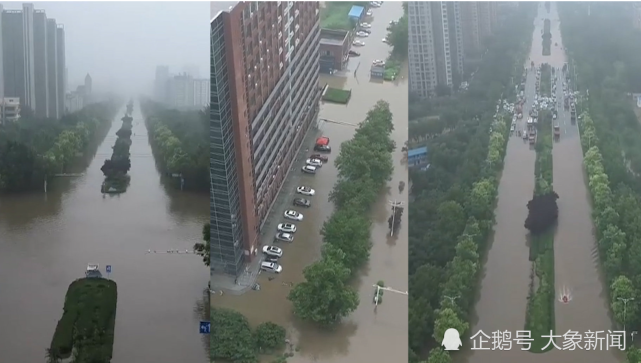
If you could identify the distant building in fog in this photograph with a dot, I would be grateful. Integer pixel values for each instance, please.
(636, 15)
(180, 91)
(32, 60)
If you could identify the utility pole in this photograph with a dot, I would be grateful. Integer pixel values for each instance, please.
(625, 308)
(395, 204)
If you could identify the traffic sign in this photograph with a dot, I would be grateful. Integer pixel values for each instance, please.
(205, 327)
(108, 269)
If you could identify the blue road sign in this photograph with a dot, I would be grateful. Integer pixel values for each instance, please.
(108, 269)
(205, 326)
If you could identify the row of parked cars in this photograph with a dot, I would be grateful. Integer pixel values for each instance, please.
(285, 231)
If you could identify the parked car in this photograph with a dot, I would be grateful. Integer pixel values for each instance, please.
(354, 53)
(305, 191)
(270, 259)
(285, 237)
(273, 251)
(302, 202)
(362, 34)
(369, 13)
(365, 25)
(323, 148)
(364, 30)
(314, 162)
(320, 157)
(293, 215)
(271, 267)
(309, 169)
(386, 41)
(287, 228)
(358, 43)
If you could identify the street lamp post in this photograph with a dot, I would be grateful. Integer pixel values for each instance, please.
(625, 307)
(452, 299)
(379, 288)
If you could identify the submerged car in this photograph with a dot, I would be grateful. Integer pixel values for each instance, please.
(293, 215)
(314, 162)
(271, 267)
(320, 157)
(285, 237)
(309, 169)
(273, 251)
(286, 227)
(302, 202)
(305, 191)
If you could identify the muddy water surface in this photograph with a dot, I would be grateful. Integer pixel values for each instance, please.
(47, 240)
(365, 336)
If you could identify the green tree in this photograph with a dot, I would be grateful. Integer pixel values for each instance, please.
(324, 297)
(232, 336)
(349, 230)
(269, 337)
(447, 319)
(624, 304)
(203, 248)
(438, 355)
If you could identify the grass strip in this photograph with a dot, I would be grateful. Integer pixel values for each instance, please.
(540, 319)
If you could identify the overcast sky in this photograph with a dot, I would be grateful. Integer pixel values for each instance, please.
(121, 43)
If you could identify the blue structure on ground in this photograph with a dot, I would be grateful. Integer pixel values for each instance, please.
(417, 157)
(356, 12)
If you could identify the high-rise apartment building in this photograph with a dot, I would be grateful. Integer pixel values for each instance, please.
(41, 76)
(435, 46)
(52, 69)
(61, 71)
(32, 60)
(479, 23)
(202, 92)
(264, 98)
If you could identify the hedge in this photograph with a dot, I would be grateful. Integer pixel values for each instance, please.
(88, 321)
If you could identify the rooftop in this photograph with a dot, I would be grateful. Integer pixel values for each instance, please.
(417, 152)
(332, 36)
(356, 11)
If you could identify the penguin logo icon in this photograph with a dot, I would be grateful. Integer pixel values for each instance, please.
(451, 339)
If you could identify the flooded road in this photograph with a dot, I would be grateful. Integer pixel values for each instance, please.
(46, 241)
(576, 265)
(364, 336)
(504, 287)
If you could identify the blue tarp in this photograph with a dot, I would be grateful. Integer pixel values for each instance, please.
(417, 152)
(356, 12)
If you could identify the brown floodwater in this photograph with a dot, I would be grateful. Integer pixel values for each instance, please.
(47, 240)
(365, 336)
(506, 273)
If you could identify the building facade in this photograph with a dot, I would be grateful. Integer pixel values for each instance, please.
(32, 60)
(264, 98)
(436, 54)
(479, 23)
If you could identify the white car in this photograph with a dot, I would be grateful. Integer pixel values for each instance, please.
(309, 169)
(365, 25)
(285, 237)
(358, 43)
(314, 162)
(305, 191)
(292, 215)
(273, 251)
(362, 34)
(271, 267)
(287, 228)
(369, 13)
(386, 41)
(378, 62)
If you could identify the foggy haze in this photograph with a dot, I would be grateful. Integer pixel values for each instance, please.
(121, 43)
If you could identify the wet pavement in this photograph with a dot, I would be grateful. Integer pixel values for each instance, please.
(505, 279)
(364, 335)
(47, 241)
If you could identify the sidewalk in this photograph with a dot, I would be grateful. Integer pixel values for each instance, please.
(229, 284)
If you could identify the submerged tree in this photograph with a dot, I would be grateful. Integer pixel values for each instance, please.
(543, 213)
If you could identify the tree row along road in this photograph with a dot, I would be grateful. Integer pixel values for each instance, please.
(506, 274)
